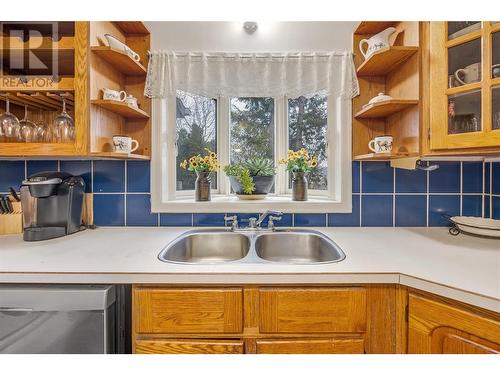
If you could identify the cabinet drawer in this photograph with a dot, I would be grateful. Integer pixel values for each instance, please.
(312, 310)
(189, 347)
(170, 310)
(311, 346)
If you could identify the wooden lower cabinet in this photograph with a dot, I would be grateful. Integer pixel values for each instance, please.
(312, 310)
(188, 310)
(310, 346)
(375, 319)
(438, 327)
(193, 346)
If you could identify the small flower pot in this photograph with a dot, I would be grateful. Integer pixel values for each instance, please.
(263, 185)
(202, 187)
(299, 186)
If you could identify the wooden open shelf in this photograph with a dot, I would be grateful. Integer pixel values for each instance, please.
(132, 27)
(379, 157)
(14, 83)
(64, 42)
(383, 61)
(373, 27)
(120, 60)
(464, 88)
(117, 155)
(121, 108)
(394, 71)
(65, 58)
(46, 101)
(386, 108)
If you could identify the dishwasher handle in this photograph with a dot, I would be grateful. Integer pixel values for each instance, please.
(15, 309)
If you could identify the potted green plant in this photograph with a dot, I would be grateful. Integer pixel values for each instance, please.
(299, 164)
(252, 179)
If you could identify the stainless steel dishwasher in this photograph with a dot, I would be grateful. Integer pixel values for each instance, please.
(59, 319)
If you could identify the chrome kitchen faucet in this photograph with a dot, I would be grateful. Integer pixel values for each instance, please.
(254, 222)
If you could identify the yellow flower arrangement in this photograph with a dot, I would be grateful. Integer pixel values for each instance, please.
(299, 161)
(198, 163)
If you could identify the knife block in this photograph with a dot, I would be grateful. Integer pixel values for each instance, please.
(12, 223)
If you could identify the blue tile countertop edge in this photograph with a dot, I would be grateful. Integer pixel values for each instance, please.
(382, 196)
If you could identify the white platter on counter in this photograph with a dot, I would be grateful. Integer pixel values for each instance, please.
(477, 225)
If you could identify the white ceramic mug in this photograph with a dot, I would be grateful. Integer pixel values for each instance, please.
(123, 144)
(109, 94)
(131, 100)
(495, 70)
(471, 73)
(381, 144)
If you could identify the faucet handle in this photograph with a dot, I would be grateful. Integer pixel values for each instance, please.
(233, 219)
(272, 219)
(230, 218)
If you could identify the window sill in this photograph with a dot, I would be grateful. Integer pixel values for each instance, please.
(228, 204)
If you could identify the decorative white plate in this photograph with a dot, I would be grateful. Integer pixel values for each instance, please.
(466, 30)
(477, 225)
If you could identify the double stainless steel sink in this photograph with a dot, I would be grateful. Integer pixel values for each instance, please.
(287, 246)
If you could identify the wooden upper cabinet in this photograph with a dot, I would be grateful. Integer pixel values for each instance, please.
(312, 310)
(77, 66)
(464, 64)
(439, 328)
(179, 310)
(62, 48)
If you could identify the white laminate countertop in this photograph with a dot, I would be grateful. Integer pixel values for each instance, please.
(464, 268)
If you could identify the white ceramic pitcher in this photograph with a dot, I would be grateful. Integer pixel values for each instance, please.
(376, 42)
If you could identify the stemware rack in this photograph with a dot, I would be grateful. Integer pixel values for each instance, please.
(39, 100)
(85, 66)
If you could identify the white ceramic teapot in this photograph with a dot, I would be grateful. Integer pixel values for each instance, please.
(376, 42)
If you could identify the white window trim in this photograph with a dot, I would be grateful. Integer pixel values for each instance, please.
(164, 197)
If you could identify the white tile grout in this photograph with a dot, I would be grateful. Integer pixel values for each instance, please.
(360, 193)
(393, 197)
(427, 194)
(125, 198)
(461, 187)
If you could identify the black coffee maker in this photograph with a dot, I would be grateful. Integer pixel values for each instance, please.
(52, 204)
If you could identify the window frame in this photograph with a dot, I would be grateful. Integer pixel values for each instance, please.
(337, 198)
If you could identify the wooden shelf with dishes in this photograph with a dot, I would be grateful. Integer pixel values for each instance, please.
(117, 155)
(36, 94)
(121, 108)
(385, 108)
(383, 157)
(120, 60)
(81, 62)
(392, 69)
(385, 60)
(112, 67)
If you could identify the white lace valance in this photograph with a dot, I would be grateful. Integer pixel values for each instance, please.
(251, 74)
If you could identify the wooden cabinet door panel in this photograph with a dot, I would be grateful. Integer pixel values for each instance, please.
(175, 346)
(438, 328)
(453, 341)
(170, 310)
(310, 346)
(312, 310)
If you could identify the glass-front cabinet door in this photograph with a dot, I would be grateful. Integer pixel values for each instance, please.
(464, 84)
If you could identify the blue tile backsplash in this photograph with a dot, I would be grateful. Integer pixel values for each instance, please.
(382, 196)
